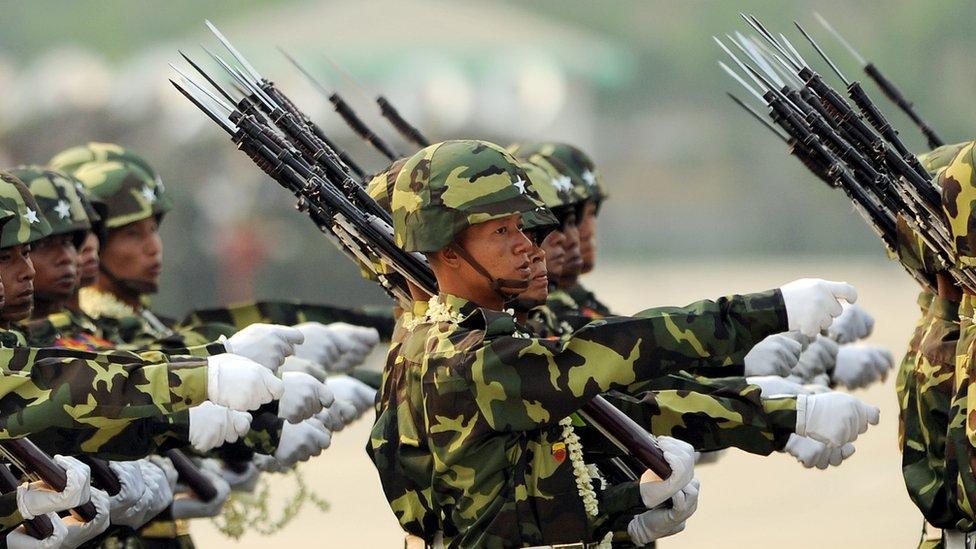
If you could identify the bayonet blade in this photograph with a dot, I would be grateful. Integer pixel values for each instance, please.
(823, 55)
(830, 28)
(233, 51)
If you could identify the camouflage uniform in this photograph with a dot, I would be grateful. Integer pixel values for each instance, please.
(958, 184)
(67, 388)
(493, 396)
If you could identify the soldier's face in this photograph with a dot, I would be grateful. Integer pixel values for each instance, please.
(55, 262)
(17, 273)
(587, 230)
(538, 289)
(553, 245)
(574, 261)
(501, 248)
(88, 261)
(134, 253)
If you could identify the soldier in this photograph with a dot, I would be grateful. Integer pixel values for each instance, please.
(479, 258)
(958, 185)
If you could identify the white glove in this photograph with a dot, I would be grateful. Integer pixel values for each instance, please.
(80, 531)
(681, 457)
(18, 538)
(332, 420)
(244, 481)
(266, 344)
(268, 464)
(770, 386)
(854, 323)
(352, 390)
(354, 342)
(126, 504)
(833, 418)
(295, 364)
(300, 441)
(239, 383)
(812, 303)
(774, 356)
(38, 498)
(819, 357)
(212, 425)
(812, 453)
(186, 505)
(304, 397)
(160, 478)
(344, 410)
(658, 523)
(320, 344)
(860, 365)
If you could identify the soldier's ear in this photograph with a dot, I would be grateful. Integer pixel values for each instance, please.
(448, 257)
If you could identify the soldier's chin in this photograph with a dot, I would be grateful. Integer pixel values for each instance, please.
(86, 281)
(16, 313)
(143, 287)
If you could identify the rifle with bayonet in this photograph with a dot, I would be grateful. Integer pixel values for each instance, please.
(887, 87)
(358, 227)
(39, 527)
(346, 112)
(886, 197)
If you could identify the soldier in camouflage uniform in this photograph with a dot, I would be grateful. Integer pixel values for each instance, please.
(958, 184)
(925, 379)
(468, 346)
(47, 387)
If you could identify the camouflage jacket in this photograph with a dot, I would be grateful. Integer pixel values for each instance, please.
(67, 388)
(960, 452)
(398, 442)
(930, 388)
(904, 379)
(588, 304)
(493, 398)
(708, 413)
(146, 330)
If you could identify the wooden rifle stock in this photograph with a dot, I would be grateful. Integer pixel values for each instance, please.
(39, 527)
(32, 459)
(626, 434)
(190, 475)
(103, 477)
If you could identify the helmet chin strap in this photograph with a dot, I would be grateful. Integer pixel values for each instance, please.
(509, 289)
(135, 287)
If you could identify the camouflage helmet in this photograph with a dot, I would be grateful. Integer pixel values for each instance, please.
(940, 157)
(25, 224)
(123, 181)
(570, 161)
(958, 183)
(554, 195)
(447, 187)
(380, 187)
(57, 195)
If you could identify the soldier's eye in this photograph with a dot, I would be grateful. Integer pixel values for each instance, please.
(501, 230)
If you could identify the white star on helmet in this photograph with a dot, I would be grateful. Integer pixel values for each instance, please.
(149, 194)
(520, 184)
(31, 217)
(63, 209)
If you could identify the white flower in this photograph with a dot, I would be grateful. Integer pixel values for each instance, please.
(98, 304)
(584, 482)
(438, 311)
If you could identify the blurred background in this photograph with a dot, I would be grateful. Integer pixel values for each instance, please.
(704, 200)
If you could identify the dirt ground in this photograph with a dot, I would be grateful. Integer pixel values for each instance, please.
(746, 501)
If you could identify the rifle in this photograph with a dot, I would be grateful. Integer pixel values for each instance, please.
(39, 527)
(887, 87)
(190, 474)
(321, 195)
(346, 112)
(387, 110)
(37, 465)
(893, 179)
(103, 477)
